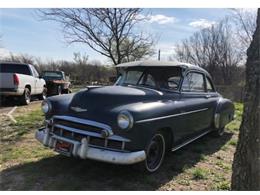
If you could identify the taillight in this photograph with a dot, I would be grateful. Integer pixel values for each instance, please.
(16, 79)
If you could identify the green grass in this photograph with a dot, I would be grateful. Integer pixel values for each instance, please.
(27, 152)
(77, 88)
(223, 165)
(224, 185)
(235, 124)
(199, 173)
(24, 124)
(184, 182)
(232, 142)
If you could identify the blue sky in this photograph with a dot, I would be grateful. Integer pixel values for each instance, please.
(23, 32)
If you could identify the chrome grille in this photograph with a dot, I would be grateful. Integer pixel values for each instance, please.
(78, 125)
(69, 128)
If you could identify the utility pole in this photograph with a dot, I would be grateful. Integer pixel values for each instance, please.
(159, 55)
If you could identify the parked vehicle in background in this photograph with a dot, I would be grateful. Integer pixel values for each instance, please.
(57, 83)
(154, 107)
(22, 81)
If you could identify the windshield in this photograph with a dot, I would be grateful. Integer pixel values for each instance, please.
(167, 78)
(57, 75)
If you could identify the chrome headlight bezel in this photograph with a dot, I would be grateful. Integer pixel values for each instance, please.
(125, 120)
(46, 106)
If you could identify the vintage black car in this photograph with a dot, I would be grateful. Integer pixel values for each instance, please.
(56, 82)
(154, 107)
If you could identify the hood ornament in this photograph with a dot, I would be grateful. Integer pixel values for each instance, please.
(78, 109)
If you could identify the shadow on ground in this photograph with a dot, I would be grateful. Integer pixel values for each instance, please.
(14, 101)
(62, 173)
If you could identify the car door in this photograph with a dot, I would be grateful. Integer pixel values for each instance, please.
(212, 97)
(197, 109)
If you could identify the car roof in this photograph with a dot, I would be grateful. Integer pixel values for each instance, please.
(156, 63)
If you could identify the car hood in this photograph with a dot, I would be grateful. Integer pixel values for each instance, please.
(104, 98)
(102, 104)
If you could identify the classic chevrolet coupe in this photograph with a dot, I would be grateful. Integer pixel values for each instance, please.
(153, 107)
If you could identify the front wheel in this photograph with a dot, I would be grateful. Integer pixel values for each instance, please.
(155, 152)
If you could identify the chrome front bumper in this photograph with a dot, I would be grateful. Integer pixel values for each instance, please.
(84, 151)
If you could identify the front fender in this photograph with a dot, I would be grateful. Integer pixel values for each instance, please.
(60, 104)
(224, 113)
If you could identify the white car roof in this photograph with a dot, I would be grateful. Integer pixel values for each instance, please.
(155, 63)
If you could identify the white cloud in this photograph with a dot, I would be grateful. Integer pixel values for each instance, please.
(202, 23)
(158, 18)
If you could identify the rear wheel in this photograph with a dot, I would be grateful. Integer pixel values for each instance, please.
(155, 152)
(218, 132)
(26, 97)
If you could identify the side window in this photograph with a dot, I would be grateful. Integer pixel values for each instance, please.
(193, 82)
(150, 81)
(173, 82)
(209, 85)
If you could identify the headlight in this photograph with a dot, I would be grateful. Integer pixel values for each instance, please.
(125, 120)
(46, 106)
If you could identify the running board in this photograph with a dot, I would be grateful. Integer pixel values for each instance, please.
(189, 141)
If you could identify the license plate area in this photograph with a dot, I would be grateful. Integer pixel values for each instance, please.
(63, 147)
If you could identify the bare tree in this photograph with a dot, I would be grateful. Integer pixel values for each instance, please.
(106, 31)
(23, 58)
(213, 48)
(244, 19)
(246, 165)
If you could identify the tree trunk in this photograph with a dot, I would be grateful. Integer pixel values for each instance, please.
(246, 165)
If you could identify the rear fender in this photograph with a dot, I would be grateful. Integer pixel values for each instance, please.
(224, 113)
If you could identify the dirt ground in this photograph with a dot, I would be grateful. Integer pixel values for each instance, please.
(26, 165)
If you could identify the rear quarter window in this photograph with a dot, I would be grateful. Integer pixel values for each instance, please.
(15, 68)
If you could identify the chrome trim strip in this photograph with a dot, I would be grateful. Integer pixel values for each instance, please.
(189, 141)
(87, 133)
(84, 122)
(170, 116)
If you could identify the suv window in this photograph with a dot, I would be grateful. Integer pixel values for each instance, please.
(15, 68)
(209, 85)
(193, 82)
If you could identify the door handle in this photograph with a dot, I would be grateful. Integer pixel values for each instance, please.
(207, 96)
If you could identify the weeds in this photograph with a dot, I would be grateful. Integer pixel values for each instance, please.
(199, 173)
